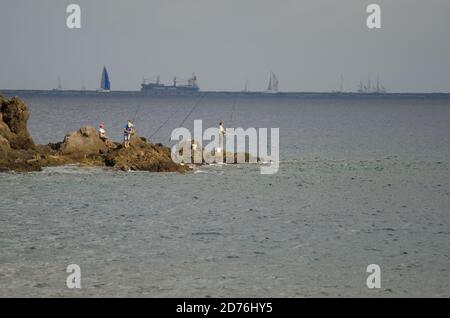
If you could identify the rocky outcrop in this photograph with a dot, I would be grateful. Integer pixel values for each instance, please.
(83, 142)
(142, 155)
(13, 123)
(19, 153)
(17, 149)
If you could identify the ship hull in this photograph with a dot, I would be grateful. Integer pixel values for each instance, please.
(154, 89)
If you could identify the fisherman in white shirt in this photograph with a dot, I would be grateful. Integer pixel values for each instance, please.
(221, 135)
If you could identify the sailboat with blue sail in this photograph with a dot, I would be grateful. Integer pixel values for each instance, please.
(105, 84)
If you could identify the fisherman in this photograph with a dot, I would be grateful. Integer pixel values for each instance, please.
(102, 134)
(221, 134)
(127, 132)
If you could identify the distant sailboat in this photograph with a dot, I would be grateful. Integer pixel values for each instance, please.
(59, 87)
(371, 89)
(245, 90)
(341, 85)
(380, 88)
(361, 87)
(105, 84)
(273, 83)
(368, 87)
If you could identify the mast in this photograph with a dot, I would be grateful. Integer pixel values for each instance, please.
(269, 87)
(360, 87)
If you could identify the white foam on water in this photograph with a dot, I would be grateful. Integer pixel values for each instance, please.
(71, 169)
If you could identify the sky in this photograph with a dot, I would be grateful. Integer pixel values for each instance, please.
(308, 44)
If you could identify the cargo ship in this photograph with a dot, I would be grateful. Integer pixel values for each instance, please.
(179, 86)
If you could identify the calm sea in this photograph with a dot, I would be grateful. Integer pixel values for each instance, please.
(362, 180)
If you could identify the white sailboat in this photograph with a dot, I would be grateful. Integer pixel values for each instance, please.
(380, 88)
(272, 88)
(245, 90)
(371, 89)
(59, 87)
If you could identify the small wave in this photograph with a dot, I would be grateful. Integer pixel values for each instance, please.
(200, 171)
(70, 169)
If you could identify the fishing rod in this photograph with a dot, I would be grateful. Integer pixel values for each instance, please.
(192, 110)
(232, 110)
(163, 124)
(137, 110)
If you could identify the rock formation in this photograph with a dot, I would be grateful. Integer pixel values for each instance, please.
(19, 153)
(13, 124)
(17, 149)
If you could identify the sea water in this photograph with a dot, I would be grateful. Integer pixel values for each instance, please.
(362, 180)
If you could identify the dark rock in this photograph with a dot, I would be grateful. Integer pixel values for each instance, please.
(83, 142)
(17, 149)
(13, 123)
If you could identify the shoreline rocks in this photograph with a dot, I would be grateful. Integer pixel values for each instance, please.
(19, 153)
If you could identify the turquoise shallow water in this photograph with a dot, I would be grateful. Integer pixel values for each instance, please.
(361, 181)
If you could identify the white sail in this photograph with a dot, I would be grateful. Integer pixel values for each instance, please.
(273, 83)
(269, 87)
(369, 88)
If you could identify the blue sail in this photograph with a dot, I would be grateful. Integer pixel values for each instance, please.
(105, 83)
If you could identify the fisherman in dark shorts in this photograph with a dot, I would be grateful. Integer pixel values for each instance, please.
(127, 132)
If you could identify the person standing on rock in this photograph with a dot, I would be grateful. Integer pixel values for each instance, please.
(102, 134)
(127, 132)
(221, 135)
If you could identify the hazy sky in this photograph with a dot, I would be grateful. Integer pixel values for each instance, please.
(307, 43)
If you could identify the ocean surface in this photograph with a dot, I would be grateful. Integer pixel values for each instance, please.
(362, 180)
